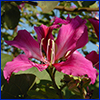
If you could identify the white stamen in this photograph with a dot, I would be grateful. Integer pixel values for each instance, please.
(53, 52)
(67, 53)
(43, 59)
(41, 47)
(48, 47)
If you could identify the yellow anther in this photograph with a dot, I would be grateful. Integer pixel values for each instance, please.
(67, 53)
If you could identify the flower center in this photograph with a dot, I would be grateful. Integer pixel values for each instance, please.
(50, 52)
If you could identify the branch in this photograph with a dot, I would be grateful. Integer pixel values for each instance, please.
(66, 9)
(76, 9)
(61, 7)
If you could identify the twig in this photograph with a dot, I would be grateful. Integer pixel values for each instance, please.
(61, 7)
(76, 9)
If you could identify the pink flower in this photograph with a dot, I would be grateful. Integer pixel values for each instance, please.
(94, 58)
(95, 23)
(37, 14)
(73, 6)
(21, 5)
(70, 37)
(62, 21)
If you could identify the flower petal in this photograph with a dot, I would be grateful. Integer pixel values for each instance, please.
(41, 32)
(94, 58)
(59, 20)
(70, 36)
(26, 42)
(95, 24)
(21, 62)
(83, 39)
(46, 33)
(77, 65)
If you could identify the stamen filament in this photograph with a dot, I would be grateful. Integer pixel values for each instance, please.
(53, 52)
(41, 47)
(43, 59)
(48, 47)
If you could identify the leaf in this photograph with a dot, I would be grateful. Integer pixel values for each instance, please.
(4, 59)
(87, 3)
(44, 83)
(58, 77)
(18, 86)
(75, 97)
(35, 71)
(43, 91)
(67, 93)
(94, 5)
(12, 15)
(77, 3)
(85, 82)
(43, 75)
(2, 3)
(47, 6)
(95, 94)
(41, 94)
(36, 94)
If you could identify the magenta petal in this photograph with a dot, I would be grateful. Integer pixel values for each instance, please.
(83, 39)
(77, 65)
(94, 58)
(71, 36)
(26, 42)
(41, 32)
(95, 24)
(62, 21)
(45, 32)
(21, 62)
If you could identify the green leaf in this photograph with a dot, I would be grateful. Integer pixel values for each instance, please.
(2, 3)
(95, 94)
(12, 15)
(4, 59)
(18, 86)
(35, 71)
(44, 83)
(85, 82)
(47, 6)
(87, 3)
(36, 94)
(77, 3)
(67, 93)
(58, 77)
(94, 5)
(44, 92)
(75, 97)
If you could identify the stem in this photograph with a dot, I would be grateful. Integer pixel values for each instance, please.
(52, 74)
